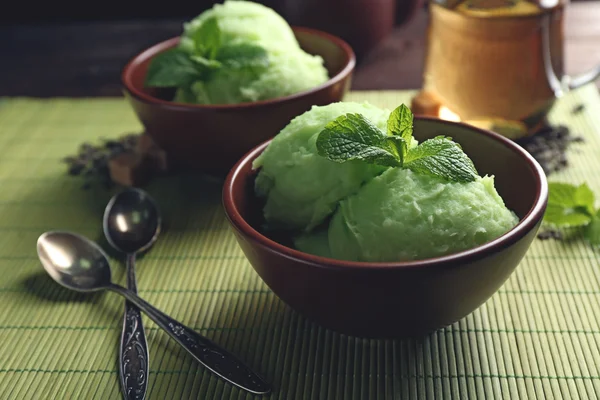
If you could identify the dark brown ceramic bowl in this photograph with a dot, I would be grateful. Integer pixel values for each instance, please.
(399, 298)
(211, 138)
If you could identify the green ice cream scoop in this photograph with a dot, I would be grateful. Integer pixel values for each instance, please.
(402, 215)
(290, 69)
(244, 21)
(300, 187)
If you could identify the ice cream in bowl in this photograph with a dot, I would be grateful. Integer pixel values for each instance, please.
(375, 223)
(234, 77)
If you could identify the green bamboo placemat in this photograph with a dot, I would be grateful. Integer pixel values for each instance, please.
(538, 337)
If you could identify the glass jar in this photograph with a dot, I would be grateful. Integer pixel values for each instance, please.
(500, 59)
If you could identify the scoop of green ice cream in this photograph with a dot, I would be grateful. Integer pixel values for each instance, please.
(291, 69)
(300, 187)
(244, 21)
(315, 242)
(286, 74)
(401, 215)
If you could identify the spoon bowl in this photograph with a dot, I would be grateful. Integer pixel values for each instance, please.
(74, 261)
(131, 221)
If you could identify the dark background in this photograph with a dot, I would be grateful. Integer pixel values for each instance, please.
(79, 11)
(65, 11)
(64, 48)
(67, 48)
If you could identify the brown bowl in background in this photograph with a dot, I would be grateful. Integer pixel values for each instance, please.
(364, 24)
(398, 298)
(211, 138)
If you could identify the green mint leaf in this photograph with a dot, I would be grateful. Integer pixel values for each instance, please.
(569, 205)
(207, 39)
(398, 146)
(441, 157)
(562, 194)
(205, 63)
(584, 197)
(243, 55)
(566, 217)
(353, 137)
(592, 231)
(173, 68)
(205, 66)
(400, 123)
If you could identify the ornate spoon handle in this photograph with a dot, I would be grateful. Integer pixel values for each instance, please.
(216, 359)
(133, 351)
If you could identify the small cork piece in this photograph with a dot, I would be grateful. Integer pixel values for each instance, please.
(149, 149)
(145, 143)
(159, 159)
(425, 103)
(129, 169)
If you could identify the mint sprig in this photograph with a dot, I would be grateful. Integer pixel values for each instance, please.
(441, 157)
(204, 64)
(207, 39)
(400, 123)
(179, 68)
(173, 68)
(353, 137)
(573, 206)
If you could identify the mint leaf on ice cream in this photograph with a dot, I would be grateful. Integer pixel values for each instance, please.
(204, 64)
(400, 123)
(209, 53)
(173, 68)
(399, 146)
(241, 55)
(209, 45)
(441, 157)
(207, 39)
(353, 137)
(244, 52)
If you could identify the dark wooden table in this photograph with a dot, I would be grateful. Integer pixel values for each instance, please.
(85, 59)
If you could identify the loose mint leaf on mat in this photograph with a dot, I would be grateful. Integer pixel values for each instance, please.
(569, 205)
(207, 39)
(441, 157)
(243, 55)
(353, 137)
(566, 217)
(584, 197)
(400, 123)
(569, 195)
(173, 68)
(592, 231)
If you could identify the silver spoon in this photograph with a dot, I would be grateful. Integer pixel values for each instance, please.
(79, 264)
(131, 225)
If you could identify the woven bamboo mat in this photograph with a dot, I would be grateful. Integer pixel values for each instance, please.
(537, 337)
